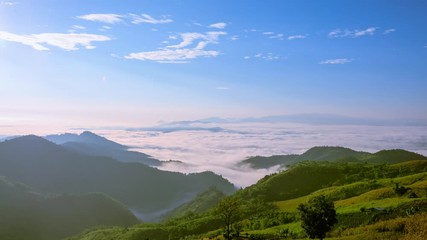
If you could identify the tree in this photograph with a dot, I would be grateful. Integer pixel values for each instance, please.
(318, 216)
(228, 210)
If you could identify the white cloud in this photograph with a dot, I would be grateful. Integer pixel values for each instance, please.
(109, 18)
(65, 41)
(189, 38)
(267, 57)
(220, 25)
(368, 31)
(336, 61)
(181, 52)
(246, 57)
(296, 37)
(278, 36)
(220, 151)
(172, 56)
(268, 33)
(387, 31)
(234, 37)
(145, 18)
(352, 33)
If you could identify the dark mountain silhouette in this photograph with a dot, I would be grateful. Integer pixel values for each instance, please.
(29, 215)
(85, 137)
(91, 144)
(50, 168)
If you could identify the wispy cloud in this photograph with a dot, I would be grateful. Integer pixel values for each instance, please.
(76, 28)
(296, 37)
(336, 61)
(145, 18)
(279, 36)
(267, 57)
(338, 33)
(387, 31)
(181, 52)
(273, 35)
(189, 38)
(219, 25)
(69, 41)
(109, 18)
(234, 37)
(172, 56)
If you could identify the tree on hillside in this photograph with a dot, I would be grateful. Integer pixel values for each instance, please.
(229, 210)
(318, 216)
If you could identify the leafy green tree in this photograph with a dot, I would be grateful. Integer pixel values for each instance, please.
(318, 216)
(229, 211)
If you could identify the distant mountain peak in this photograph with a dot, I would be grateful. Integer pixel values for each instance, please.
(84, 137)
(88, 133)
(29, 139)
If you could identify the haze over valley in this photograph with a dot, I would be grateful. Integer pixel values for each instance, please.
(213, 119)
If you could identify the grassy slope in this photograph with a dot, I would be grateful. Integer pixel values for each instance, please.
(202, 203)
(352, 186)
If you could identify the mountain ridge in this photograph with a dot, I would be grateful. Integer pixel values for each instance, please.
(50, 168)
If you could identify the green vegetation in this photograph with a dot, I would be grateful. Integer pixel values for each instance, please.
(333, 154)
(47, 193)
(318, 216)
(364, 194)
(202, 203)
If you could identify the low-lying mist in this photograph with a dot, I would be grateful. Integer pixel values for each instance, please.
(218, 147)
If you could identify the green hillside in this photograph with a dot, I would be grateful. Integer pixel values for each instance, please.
(365, 196)
(334, 154)
(393, 156)
(29, 215)
(202, 203)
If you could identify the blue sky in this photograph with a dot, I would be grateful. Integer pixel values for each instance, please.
(88, 63)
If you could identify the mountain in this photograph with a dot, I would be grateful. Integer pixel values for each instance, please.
(26, 214)
(364, 197)
(50, 168)
(308, 118)
(88, 143)
(85, 137)
(337, 154)
(393, 156)
(202, 203)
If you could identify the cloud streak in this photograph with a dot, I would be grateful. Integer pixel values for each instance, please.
(296, 37)
(388, 31)
(109, 18)
(145, 18)
(339, 33)
(336, 61)
(69, 42)
(219, 25)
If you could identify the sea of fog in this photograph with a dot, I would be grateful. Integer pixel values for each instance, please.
(218, 147)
